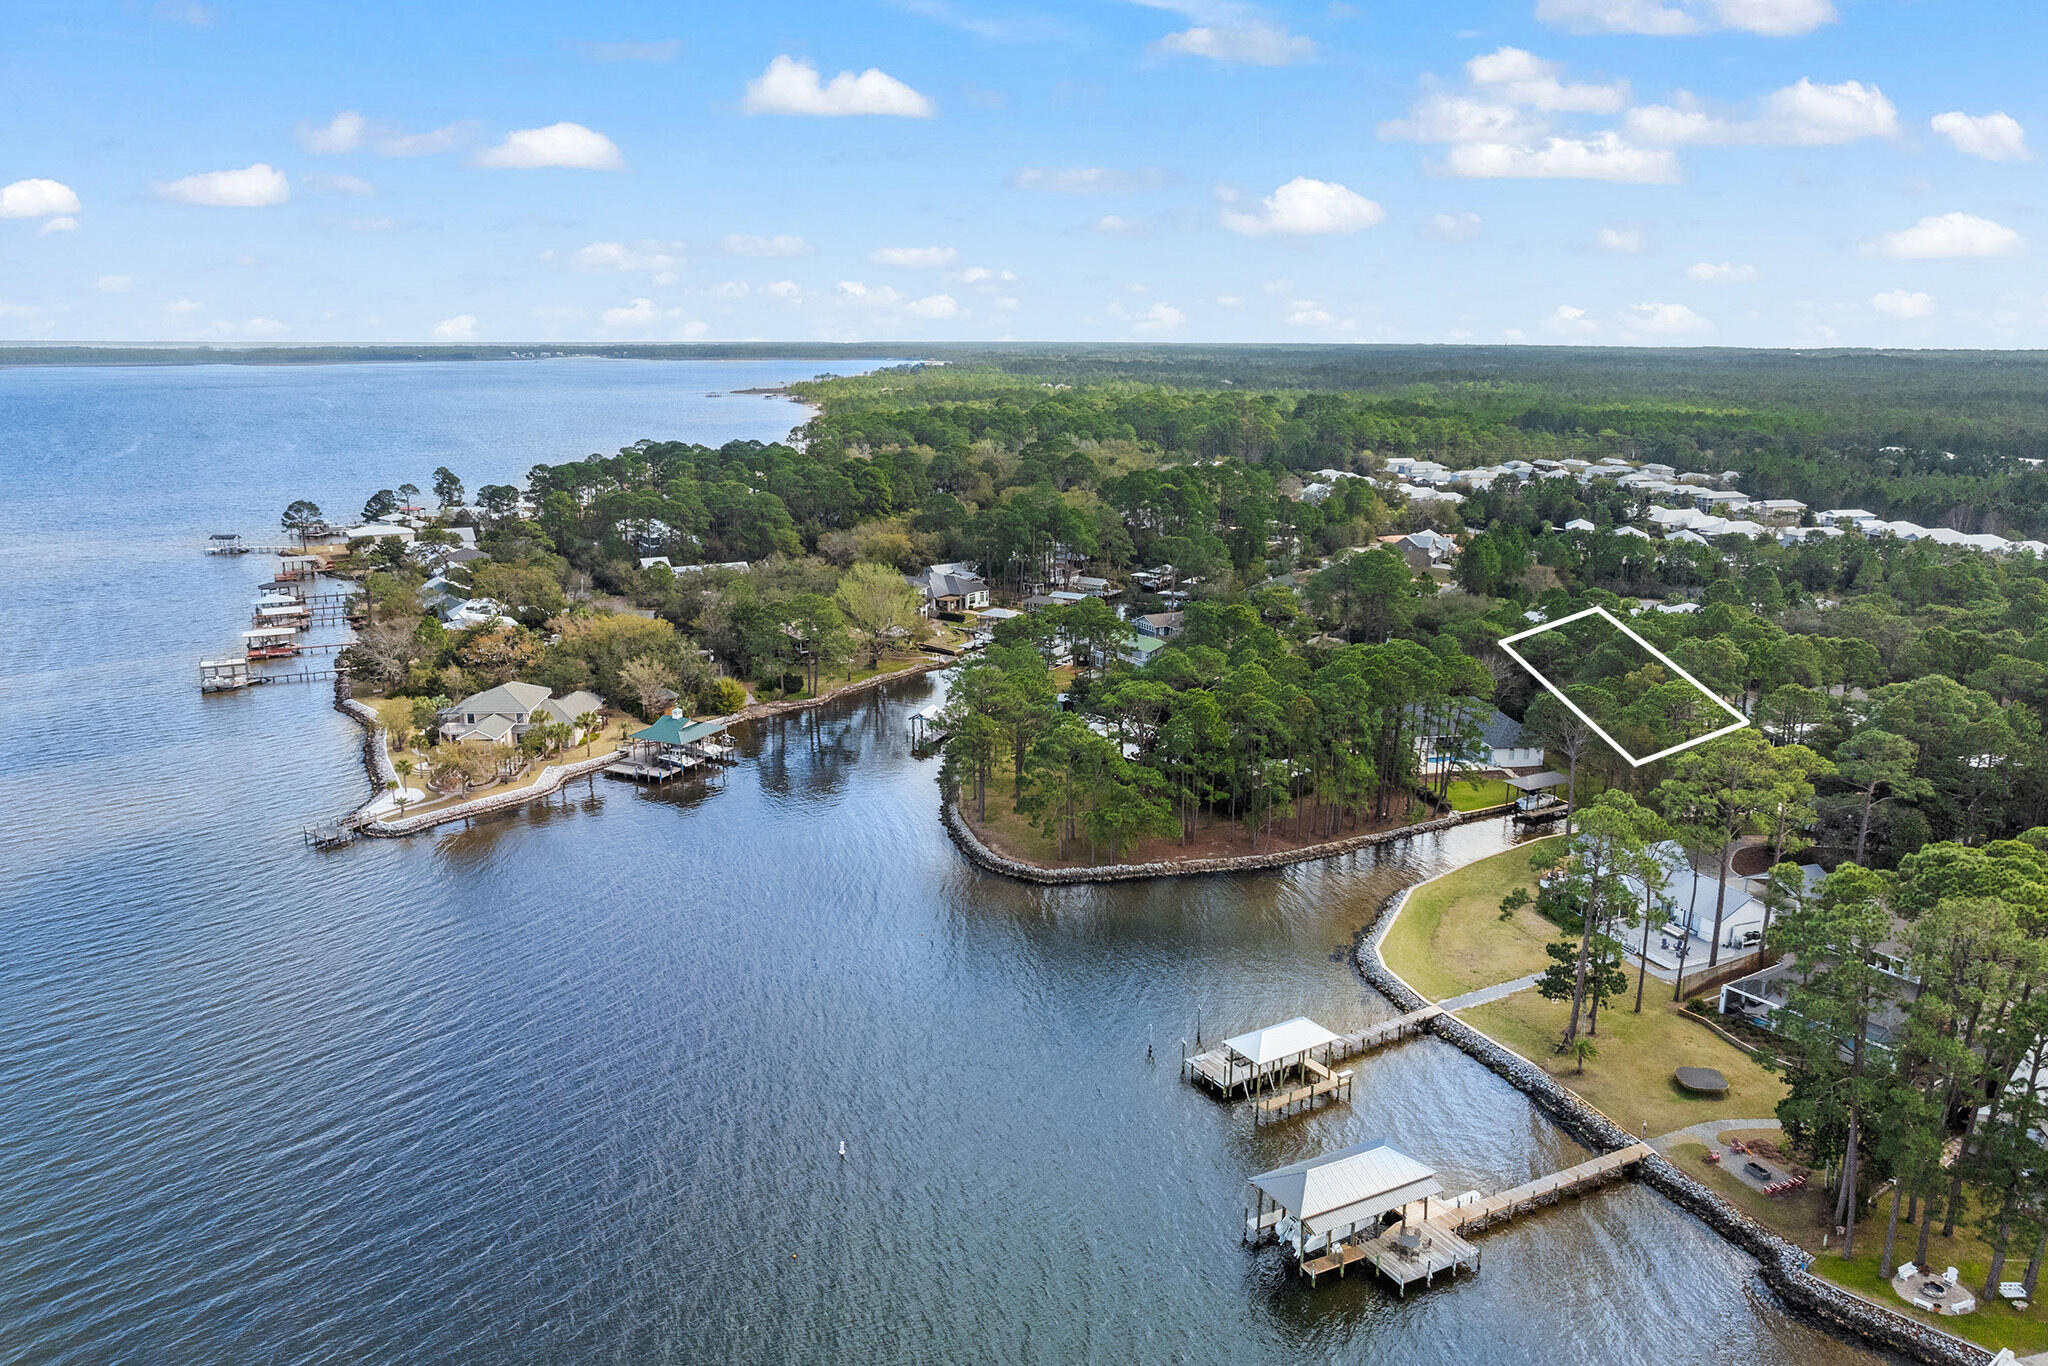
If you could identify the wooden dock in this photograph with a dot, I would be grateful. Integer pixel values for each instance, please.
(1432, 1237)
(1483, 1214)
(1214, 1068)
(1404, 1254)
(1322, 1083)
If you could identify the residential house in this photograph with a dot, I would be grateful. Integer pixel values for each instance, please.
(476, 612)
(1483, 737)
(495, 716)
(1423, 550)
(951, 589)
(568, 710)
(1780, 509)
(1139, 650)
(1162, 625)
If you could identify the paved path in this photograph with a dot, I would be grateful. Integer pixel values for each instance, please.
(1706, 1132)
(1492, 993)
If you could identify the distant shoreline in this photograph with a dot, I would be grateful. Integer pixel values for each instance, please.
(31, 355)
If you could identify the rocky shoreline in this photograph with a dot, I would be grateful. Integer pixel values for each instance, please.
(1783, 1263)
(377, 760)
(978, 852)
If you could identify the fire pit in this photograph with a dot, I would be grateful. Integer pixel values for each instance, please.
(1933, 1294)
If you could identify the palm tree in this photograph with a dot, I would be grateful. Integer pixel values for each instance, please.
(1583, 1048)
(403, 768)
(590, 723)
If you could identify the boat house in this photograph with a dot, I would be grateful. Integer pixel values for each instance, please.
(1319, 1202)
(1265, 1057)
(673, 746)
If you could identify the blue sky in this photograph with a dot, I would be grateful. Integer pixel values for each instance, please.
(1735, 172)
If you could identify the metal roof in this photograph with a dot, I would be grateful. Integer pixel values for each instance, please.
(1349, 1186)
(1288, 1039)
(1536, 782)
(674, 730)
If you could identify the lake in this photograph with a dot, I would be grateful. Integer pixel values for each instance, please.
(570, 1084)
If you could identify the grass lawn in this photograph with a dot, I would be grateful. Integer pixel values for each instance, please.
(1806, 1214)
(1631, 1079)
(1994, 1325)
(1450, 939)
(1478, 794)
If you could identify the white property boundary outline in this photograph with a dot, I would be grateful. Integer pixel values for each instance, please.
(1739, 723)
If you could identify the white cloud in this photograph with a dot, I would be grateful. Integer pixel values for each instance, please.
(879, 295)
(1256, 43)
(786, 290)
(262, 327)
(1159, 318)
(1567, 321)
(731, 289)
(1084, 179)
(1603, 156)
(935, 307)
(570, 146)
(1663, 320)
(1623, 241)
(1994, 137)
(339, 184)
(1443, 117)
(349, 131)
(1308, 313)
(661, 260)
(1804, 114)
(252, 187)
(1524, 78)
(1304, 207)
(636, 316)
(61, 223)
(370, 224)
(461, 327)
(915, 258)
(342, 133)
(37, 199)
(1462, 226)
(1675, 18)
(782, 244)
(183, 306)
(1947, 235)
(1900, 303)
(792, 86)
(391, 142)
(1116, 225)
(115, 284)
(1229, 301)
(1725, 273)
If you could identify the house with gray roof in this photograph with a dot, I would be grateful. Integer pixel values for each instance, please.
(495, 716)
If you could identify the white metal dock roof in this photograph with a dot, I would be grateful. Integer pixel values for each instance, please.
(1349, 1186)
(1287, 1039)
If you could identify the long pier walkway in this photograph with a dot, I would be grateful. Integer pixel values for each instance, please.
(1430, 1240)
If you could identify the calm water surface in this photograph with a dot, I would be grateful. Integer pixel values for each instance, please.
(569, 1085)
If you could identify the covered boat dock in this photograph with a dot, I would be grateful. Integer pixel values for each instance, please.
(1329, 1212)
(671, 747)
